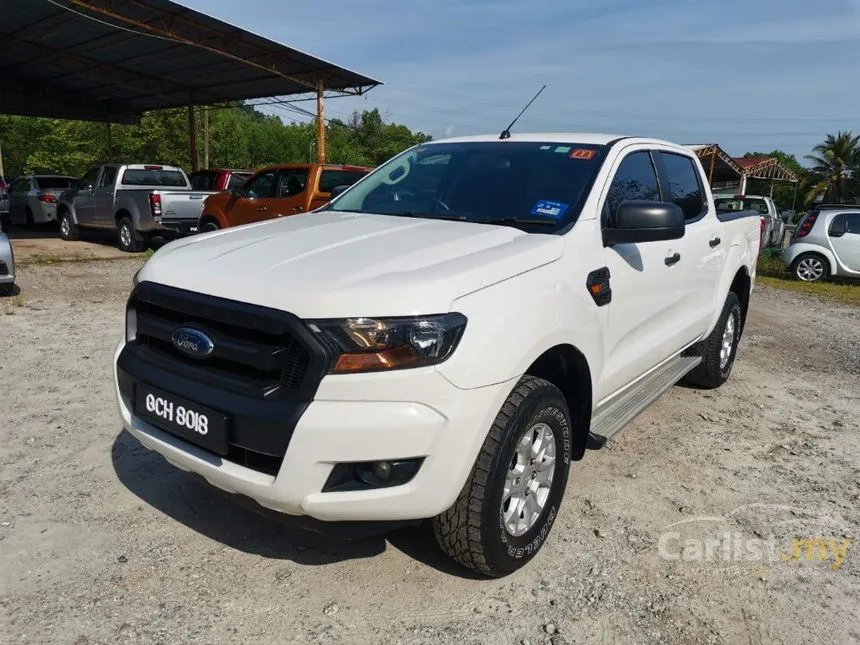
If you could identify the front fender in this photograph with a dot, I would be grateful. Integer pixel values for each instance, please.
(510, 324)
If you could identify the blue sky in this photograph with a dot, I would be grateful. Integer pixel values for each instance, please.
(748, 74)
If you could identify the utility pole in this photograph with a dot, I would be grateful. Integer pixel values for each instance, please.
(192, 136)
(320, 124)
(205, 136)
(2, 172)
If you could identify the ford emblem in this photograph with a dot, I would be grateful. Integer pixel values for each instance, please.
(192, 342)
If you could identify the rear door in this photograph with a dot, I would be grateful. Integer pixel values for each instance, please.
(844, 235)
(646, 318)
(103, 197)
(704, 249)
(293, 193)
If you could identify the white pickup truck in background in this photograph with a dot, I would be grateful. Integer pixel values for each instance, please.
(137, 201)
(444, 338)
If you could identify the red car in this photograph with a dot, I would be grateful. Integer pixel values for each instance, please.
(218, 179)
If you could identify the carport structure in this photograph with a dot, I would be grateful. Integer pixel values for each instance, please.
(725, 171)
(113, 60)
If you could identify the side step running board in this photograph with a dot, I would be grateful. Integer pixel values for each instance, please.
(616, 413)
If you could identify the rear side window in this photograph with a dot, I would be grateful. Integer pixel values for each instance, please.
(153, 177)
(684, 187)
(635, 180)
(108, 176)
(292, 183)
(202, 180)
(329, 179)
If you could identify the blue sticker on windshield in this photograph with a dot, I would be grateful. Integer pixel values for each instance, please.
(546, 208)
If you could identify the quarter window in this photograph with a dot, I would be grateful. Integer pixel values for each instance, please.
(684, 187)
(635, 180)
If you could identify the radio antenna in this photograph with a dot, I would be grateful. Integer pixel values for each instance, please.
(506, 133)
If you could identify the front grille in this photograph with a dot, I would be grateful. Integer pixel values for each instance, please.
(258, 351)
(4, 268)
(262, 374)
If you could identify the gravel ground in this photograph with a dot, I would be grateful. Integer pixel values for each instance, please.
(678, 531)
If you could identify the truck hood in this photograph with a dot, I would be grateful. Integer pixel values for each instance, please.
(329, 265)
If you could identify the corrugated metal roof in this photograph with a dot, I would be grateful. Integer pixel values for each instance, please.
(114, 59)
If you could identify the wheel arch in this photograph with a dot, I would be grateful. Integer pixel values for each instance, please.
(567, 368)
(741, 286)
(123, 212)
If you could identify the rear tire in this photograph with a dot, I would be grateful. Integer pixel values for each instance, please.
(511, 499)
(720, 349)
(810, 267)
(68, 229)
(127, 236)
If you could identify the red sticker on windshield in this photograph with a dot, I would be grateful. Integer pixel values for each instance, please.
(582, 153)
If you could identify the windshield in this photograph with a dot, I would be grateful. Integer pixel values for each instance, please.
(153, 177)
(741, 204)
(536, 186)
(55, 183)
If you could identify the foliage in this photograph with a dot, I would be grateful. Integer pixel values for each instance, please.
(834, 161)
(239, 137)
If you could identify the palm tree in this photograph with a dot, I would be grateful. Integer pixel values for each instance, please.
(834, 161)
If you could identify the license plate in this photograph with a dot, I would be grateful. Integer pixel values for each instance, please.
(188, 420)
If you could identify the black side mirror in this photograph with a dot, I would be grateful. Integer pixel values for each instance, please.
(644, 221)
(337, 190)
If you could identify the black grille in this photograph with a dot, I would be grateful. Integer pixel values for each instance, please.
(4, 268)
(258, 355)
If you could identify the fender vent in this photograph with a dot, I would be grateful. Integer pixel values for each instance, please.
(598, 286)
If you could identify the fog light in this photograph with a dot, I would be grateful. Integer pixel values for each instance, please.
(382, 470)
(366, 475)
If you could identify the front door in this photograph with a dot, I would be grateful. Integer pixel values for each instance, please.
(254, 200)
(647, 279)
(103, 197)
(83, 198)
(844, 234)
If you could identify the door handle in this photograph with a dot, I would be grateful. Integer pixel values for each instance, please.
(715, 242)
(298, 209)
(673, 259)
(262, 208)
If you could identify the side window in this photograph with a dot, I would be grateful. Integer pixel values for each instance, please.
(91, 177)
(292, 183)
(108, 177)
(853, 225)
(684, 187)
(202, 180)
(261, 186)
(635, 179)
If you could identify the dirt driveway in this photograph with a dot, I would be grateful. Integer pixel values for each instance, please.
(716, 517)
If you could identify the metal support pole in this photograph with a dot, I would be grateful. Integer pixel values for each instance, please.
(711, 173)
(320, 125)
(109, 142)
(205, 136)
(192, 136)
(743, 190)
(794, 199)
(771, 188)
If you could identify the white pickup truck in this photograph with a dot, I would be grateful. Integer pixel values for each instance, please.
(443, 338)
(137, 201)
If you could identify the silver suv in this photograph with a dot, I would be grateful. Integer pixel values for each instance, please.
(826, 243)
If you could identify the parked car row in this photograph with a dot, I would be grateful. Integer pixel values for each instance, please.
(826, 243)
(773, 231)
(142, 201)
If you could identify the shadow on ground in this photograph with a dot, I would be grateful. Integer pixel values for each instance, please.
(206, 510)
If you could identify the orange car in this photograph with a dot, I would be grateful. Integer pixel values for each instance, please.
(276, 191)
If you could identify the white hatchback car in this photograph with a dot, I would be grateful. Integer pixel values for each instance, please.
(826, 243)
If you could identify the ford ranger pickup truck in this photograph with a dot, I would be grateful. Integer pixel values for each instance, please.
(136, 201)
(443, 338)
(277, 191)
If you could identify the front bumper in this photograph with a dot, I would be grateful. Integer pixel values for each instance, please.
(354, 418)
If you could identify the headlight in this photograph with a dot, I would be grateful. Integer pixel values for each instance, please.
(375, 344)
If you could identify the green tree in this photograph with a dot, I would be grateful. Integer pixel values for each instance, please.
(834, 161)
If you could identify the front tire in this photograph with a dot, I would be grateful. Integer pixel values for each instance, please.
(506, 509)
(810, 267)
(127, 236)
(720, 349)
(68, 229)
(209, 226)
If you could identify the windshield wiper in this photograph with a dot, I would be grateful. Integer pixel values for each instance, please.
(517, 220)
